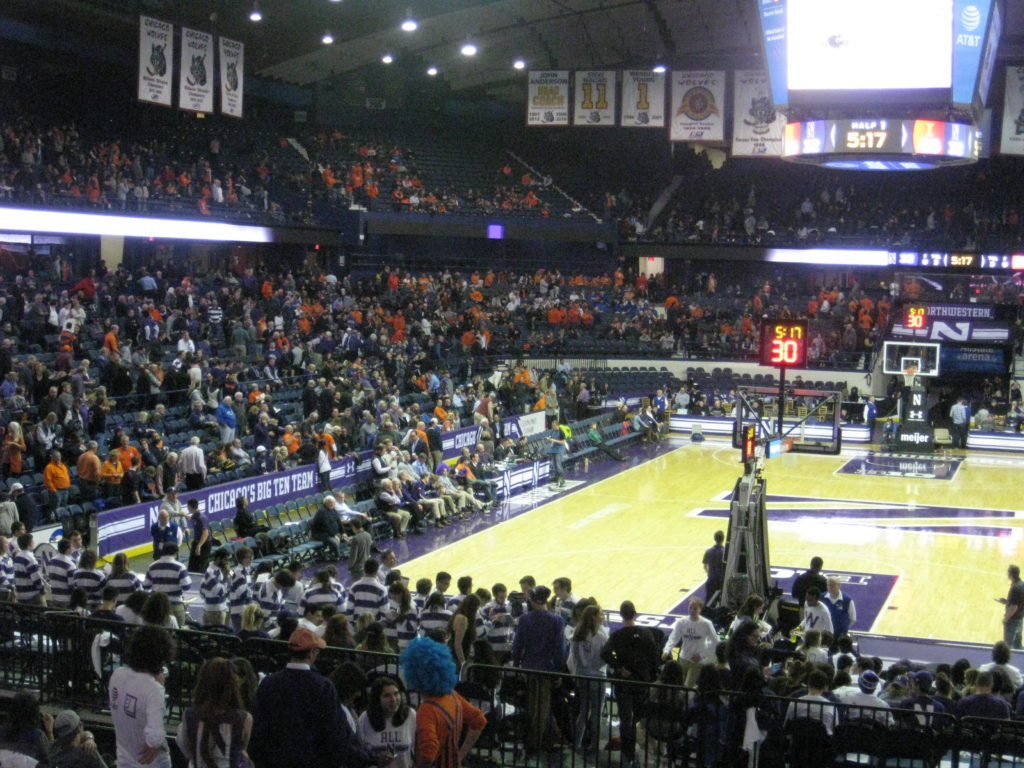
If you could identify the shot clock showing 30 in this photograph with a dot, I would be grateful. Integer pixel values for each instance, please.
(917, 317)
(784, 343)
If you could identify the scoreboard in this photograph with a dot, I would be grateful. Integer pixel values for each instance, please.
(981, 262)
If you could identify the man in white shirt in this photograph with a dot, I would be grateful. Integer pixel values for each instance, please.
(814, 705)
(696, 637)
(816, 615)
(192, 464)
(863, 694)
(137, 701)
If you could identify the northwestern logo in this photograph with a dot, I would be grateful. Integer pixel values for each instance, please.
(970, 18)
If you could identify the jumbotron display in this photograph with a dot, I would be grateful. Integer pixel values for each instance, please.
(881, 145)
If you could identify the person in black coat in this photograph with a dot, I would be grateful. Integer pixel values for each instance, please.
(326, 527)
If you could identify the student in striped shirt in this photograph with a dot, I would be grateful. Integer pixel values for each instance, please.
(403, 619)
(500, 623)
(76, 545)
(170, 576)
(434, 615)
(59, 571)
(6, 572)
(324, 592)
(240, 589)
(423, 587)
(368, 595)
(90, 578)
(29, 583)
(271, 594)
(214, 589)
(123, 579)
(465, 586)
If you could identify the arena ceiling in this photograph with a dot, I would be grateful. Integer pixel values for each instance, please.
(546, 34)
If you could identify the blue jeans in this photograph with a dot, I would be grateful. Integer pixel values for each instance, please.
(1012, 632)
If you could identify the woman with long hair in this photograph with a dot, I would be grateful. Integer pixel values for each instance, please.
(157, 611)
(215, 730)
(585, 660)
(89, 577)
(752, 609)
(463, 628)
(122, 578)
(253, 618)
(248, 680)
(389, 723)
(338, 632)
(29, 731)
(403, 623)
(12, 451)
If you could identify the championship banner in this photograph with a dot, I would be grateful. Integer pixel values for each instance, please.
(757, 129)
(195, 90)
(643, 99)
(1012, 140)
(698, 101)
(156, 60)
(232, 76)
(594, 99)
(548, 98)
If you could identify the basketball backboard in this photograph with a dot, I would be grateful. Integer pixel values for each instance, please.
(899, 357)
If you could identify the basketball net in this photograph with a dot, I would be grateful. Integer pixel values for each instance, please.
(909, 376)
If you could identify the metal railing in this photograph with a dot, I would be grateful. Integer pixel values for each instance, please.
(571, 720)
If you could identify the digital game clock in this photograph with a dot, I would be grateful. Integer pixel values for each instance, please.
(784, 343)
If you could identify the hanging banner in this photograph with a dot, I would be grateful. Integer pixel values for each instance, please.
(548, 98)
(232, 76)
(156, 60)
(1012, 141)
(594, 98)
(757, 129)
(195, 90)
(698, 103)
(643, 99)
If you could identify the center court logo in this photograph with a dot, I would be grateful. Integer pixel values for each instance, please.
(970, 18)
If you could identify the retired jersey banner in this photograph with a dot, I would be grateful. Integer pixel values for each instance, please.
(1012, 142)
(643, 99)
(548, 98)
(232, 76)
(594, 99)
(757, 129)
(156, 60)
(195, 89)
(698, 104)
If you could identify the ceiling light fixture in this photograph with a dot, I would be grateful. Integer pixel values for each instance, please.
(409, 24)
(659, 68)
(328, 38)
(469, 49)
(518, 64)
(255, 14)
(387, 58)
(432, 71)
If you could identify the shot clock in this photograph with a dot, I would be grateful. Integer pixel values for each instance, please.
(917, 317)
(784, 343)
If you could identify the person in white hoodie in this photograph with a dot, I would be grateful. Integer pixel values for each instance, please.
(696, 637)
(585, 660)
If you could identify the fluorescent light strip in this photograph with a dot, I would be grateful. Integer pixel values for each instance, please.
(835, 256)
(22, 220)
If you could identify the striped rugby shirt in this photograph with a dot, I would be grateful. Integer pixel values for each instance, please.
(270, 600)
(368, 596)
(321, 597)
(125, 584)
(59, 571)
(499, 625)
(214, 589)
(92, 580)
(240, 590)
(430, 620)
(169, 576)
(28, 576)
(6, 573)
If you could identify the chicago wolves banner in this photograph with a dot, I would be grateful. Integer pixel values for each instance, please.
(1013, 113)
(232, 76)
(195, 88)
(698, 103)
(643, 99)
(548, 98)
(757, 129)
(594, 99)
(156, 60)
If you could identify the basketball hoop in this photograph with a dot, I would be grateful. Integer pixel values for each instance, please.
(910, 375)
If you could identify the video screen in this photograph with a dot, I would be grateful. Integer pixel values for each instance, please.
(860, 45)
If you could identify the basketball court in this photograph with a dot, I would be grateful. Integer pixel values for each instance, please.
(921, 543)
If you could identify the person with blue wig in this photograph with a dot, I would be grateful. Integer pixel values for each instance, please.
(428, 667)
